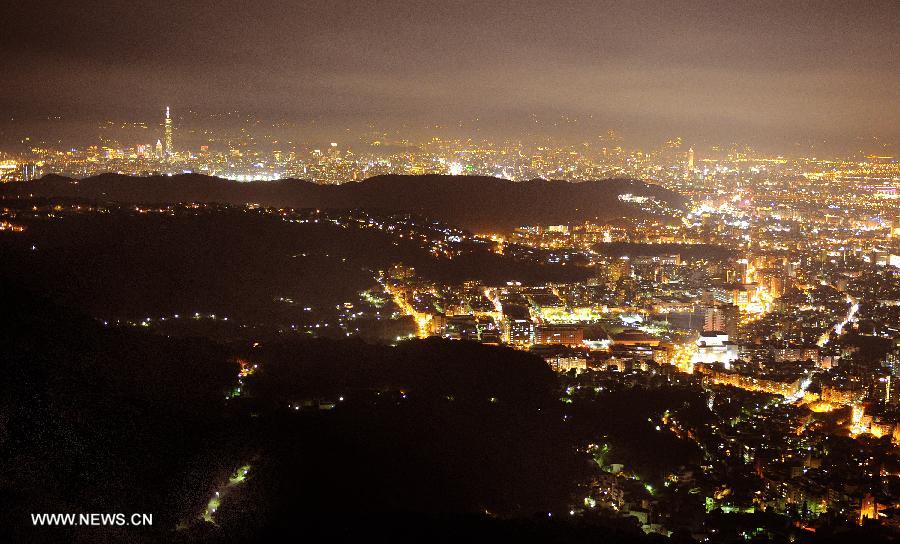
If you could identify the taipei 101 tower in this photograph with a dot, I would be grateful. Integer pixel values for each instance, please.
(167, 135)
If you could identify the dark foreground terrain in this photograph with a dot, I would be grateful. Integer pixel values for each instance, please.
(329, 439)
(248, 432)
(474, 202)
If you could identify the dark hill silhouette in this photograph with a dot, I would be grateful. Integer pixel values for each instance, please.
(475, 202)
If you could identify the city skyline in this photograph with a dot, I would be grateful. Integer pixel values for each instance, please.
(458, 271)
(255, 154)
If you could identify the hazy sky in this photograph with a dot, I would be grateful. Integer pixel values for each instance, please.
(755, 72)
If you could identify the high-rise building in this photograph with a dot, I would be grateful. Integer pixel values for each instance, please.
(690, 160)
(619, 269)
(29, 172)
(723, 318)
(167, 135)
(159, 149)
(517, 325)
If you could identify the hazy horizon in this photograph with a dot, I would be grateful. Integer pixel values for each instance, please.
(776, 77)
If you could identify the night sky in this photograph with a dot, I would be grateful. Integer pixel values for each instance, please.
(762, 73)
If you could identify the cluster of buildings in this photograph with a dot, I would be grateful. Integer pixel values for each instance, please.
(774, 295)
(257, 152)
(785, 311)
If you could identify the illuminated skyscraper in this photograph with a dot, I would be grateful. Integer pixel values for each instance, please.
(29, 172)
(159, 149)
(722, 318)
(690, 160)
(167, 136)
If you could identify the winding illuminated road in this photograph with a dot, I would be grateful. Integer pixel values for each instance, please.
(839, 328)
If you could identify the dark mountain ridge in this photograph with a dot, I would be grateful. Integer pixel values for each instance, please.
(475, 202)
